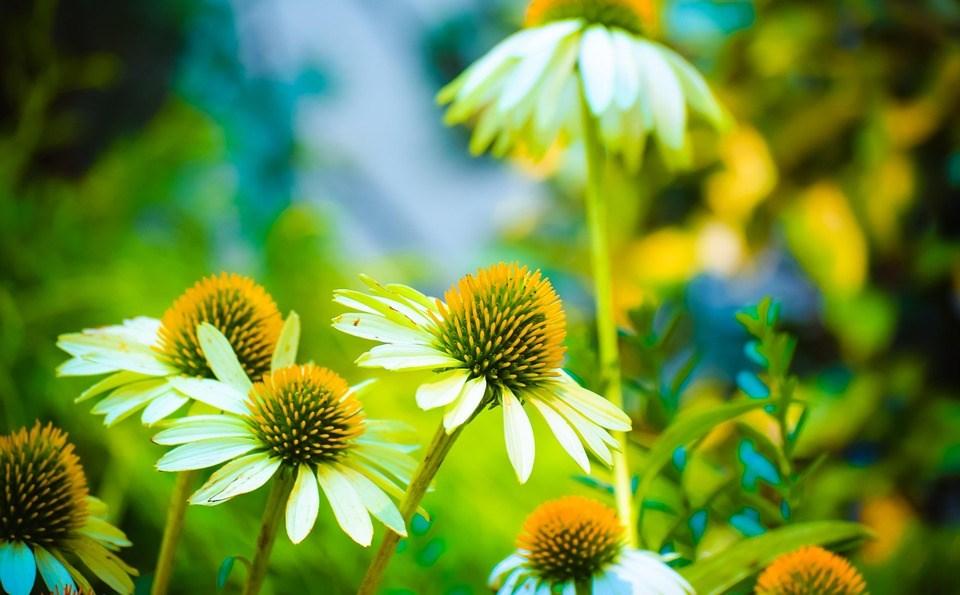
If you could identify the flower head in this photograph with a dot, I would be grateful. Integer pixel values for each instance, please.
(147, 358)
(579, 57)
(577, 541)
(48, 516)
(810, 570)
(495, 340)
(304, 422)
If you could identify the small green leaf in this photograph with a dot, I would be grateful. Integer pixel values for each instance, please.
(226, 567)
(685, 430)
(718, 573)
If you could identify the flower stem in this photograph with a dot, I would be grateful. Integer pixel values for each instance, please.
(272, 513)
(436, 453)
(171, 532)
(609, 350)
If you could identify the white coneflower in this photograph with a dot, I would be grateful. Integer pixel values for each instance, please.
(49, 521)
(147, 358)
(576, 545)
(495, 340)
(528, 88)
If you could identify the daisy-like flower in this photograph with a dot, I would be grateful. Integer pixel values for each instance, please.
(49, 521)
(810, 570)
(150, 360)
(304, 423)
(495, 339)
(576, 55)
(576, 545)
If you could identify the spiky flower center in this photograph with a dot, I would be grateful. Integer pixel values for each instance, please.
(572, 538)
(43, 491)
(810, 571)
(625, 14)
(506, 324)
(305, 415)
(240, 309)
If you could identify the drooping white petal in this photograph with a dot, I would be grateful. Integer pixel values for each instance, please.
(565, 435)
(695, 88)
(590, 433)
(627, 73)
(115, 351)
(18, 568)
(591, 405)
(665, 94)
(466, 404)
(347, 506)
(285, 353)
(377, 328)
(78, 366)
(303, 504)
(219, 395)
(388, 458)
(518, 434)
(406, 357)
(129, 398)
(375, 500)
(608, 583)
(239, 476)
(205, 453)
(202, 427)
(528, 73)
(442, 391)
(221, 357)
(504, 567)
(598, 68)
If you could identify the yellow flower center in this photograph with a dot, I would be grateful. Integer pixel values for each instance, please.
(304, 415)
(240, 309)
(505, 324)
(625, 14)
(572, 538)
(43, 491)
(810, 571)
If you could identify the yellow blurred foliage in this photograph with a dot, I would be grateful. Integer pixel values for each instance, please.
(826, 239)
(887, 192)
(889, 518)
(747, 178)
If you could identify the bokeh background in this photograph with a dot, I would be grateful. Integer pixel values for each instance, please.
(146, 144)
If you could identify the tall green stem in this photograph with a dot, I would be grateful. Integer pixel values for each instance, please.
(171, 532)
(436, 453)
(597, 222)
(272, 514)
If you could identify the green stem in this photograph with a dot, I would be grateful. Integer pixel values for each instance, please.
(606, 323)
(436, 453)
(171, 532)
(272, 514)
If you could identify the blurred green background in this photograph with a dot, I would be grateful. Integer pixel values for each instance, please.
(144, 145)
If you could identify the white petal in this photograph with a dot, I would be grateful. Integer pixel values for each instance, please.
(55, 576)
(665, 95)
(590, 433)
(347, 507)
(375, 500)
(219, 395)
(18, 568)
(194, 428)
(109, 383)
(627, 74)
(221, 358)
(285, 353)
(163, 406)
(594, 407)
(518, 434)
(377, 328)
(77, 366)
(526, 75)
(695, 88)
(129, 398)
(103, 563)
(565, 435)
(406, 357)
(388, 458)
(442, 391)
(466, 404)
(598, 67)
(504, 567)
(205, 453)
(303, 504)
(240, 476)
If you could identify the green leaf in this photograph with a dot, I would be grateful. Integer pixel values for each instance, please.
(722, 571)
(226, 567)
(685, 430)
